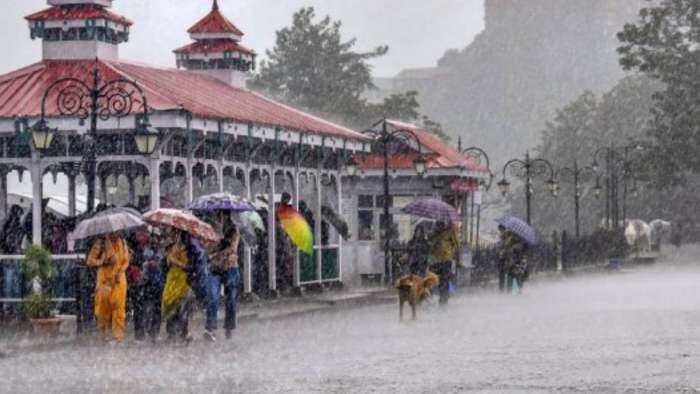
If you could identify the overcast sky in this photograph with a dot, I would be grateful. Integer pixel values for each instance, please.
(417, 31)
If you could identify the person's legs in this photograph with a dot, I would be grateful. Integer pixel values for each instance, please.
(502, 275)
(185, 312)
(444, 287)
(215, 280)
(233, 278)
(119, 310)
(141, 312)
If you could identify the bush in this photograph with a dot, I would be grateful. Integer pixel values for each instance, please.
(37, 306)
(38, 265)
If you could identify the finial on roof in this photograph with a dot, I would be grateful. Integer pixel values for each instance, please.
(215, 7)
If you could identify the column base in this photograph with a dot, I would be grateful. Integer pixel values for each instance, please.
(249, 297)
(297, 292)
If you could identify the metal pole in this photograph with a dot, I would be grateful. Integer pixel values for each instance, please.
(91, 159)
(577, 200)
(471, 217)
(528, 191)
(608, 194)
(387, 226)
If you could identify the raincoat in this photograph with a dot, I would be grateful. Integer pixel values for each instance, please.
(444, 245)
(176, 287)
(111, 256)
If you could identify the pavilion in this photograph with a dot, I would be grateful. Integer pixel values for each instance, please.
(153, 132)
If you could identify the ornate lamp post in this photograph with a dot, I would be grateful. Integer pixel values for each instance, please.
(530, 169)
(384, 139)
(576, 173)
(616, 160)
(98, 100)
(478, 154)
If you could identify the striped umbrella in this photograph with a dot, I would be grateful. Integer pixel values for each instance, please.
(184, 221)
(431, 208)
(106, 222)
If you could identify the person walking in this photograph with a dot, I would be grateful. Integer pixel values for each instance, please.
(444, 248)
(224, 273)
(111, 256)
(147, 306)
(178, 298)
(517, 255)
(419, 250)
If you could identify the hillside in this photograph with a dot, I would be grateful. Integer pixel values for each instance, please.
(533, 56)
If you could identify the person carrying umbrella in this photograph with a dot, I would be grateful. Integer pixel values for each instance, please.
(224, 272)
(419, 249)
(111, 257)
(519, 236)
(444, 247)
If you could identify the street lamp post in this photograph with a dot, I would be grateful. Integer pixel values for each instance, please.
(100, 100)
(616, 160)
(576, 173)
(479, 153)
(530, 169)
(386, 138)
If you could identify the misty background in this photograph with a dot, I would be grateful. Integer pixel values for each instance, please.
(417, 32)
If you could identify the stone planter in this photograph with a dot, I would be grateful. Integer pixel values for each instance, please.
(46, 327)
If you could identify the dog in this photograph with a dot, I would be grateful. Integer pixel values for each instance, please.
(414, 289)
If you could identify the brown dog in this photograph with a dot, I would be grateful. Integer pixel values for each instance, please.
(414, 289)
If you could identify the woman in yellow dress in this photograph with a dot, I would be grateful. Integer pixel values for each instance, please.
(178, 298)
(111, 256)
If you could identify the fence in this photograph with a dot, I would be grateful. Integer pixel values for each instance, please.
(72, 286)
(572, 253)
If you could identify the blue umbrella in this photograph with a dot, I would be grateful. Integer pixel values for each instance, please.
(519, 228)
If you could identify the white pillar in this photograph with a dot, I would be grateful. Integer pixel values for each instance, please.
(71, 194)
(37, 196)
(272, 232)
(220, 177)
(155, 183)
(297, 263)
(189, 189)
(317, 226)
(339, 189)
(248, 266)
(132, 190)
(103, 189)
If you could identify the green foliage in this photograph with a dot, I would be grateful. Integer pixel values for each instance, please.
(38, 264)
(576, 132)
(37, 306)
(313, 68)
(663, 44)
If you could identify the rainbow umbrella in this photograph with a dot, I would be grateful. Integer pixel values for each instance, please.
(297, 228)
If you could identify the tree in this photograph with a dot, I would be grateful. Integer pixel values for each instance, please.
(664, 45)
(313, 68)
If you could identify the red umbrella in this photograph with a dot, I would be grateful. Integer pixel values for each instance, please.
(182, 221)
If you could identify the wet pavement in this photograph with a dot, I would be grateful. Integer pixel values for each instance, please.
(635, 330)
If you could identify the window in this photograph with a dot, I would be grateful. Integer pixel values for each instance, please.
(365, 218)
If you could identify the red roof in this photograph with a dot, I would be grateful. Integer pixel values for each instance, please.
(439, 154)
(77, 12)
(165, 89)
(214, 22)
(214, 46)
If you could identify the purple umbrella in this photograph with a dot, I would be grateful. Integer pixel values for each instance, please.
(519, 228)
(431, 208)
(221, 202)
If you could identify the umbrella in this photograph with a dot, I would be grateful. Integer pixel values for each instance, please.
(431, 208)
(184, 221)
(519, 228)
(221, 202)
(297, 228)
(247, 222)
(106, 222)
(336, 221)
